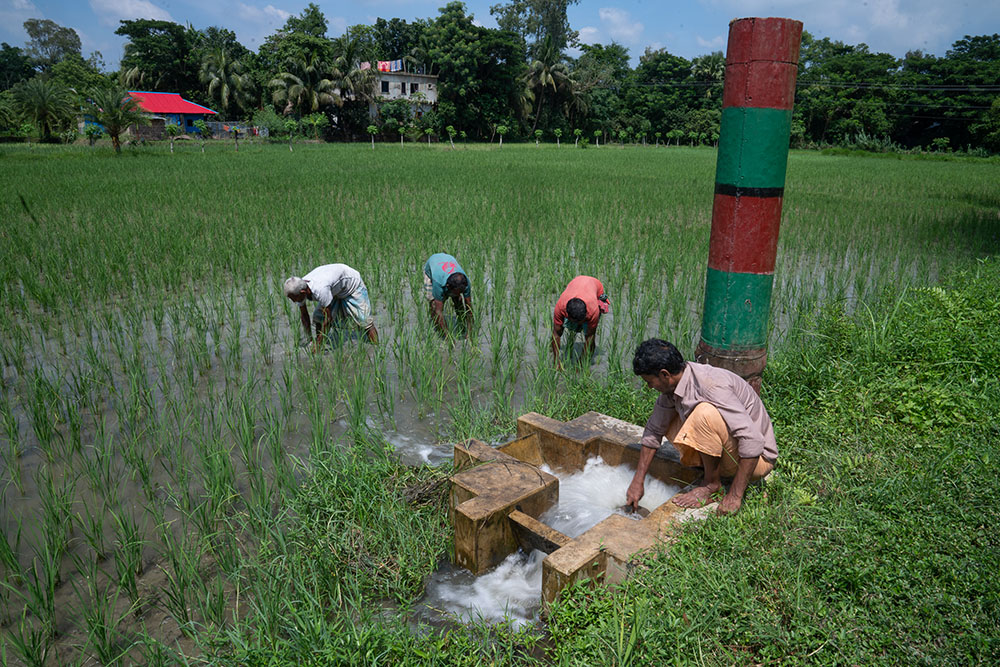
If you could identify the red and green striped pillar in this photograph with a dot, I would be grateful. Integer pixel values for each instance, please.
(761, 64)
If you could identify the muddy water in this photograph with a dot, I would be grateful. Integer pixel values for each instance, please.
(511, 592)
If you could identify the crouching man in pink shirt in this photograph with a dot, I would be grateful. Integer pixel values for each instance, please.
(712, 417)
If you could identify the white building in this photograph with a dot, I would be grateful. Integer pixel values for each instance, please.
(420, 89)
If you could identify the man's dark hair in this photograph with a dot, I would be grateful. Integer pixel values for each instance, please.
(576, 310)
(655, 354)
(456, 281)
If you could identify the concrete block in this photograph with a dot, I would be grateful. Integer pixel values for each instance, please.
(498, 495)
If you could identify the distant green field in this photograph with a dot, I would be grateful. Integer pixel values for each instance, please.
(158, 415)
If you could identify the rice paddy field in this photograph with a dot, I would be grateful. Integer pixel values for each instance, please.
(182, 482)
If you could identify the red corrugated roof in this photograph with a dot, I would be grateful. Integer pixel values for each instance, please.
(167, 103)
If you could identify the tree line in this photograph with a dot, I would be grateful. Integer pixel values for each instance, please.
(516, 77)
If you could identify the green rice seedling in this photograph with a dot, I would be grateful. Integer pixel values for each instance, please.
(136, 456)
(98, 363)
(91, 525)
(263, 338)
(11, 571)
(285, 390)
(357, 407)
(202, 344)
(30, 644)
(164, 376)
(267, 596)
(38, 588)
(384, 394)
(11, 451)
(497, 330)
(241, 419)
(106, 643)
(223, 546)
(317, 411)
(182, 557)
(274, 422)
(8, 554)
(56, 502)
(212, 599)
(137, 399)
(422, 369)
(154, 653)
(14, 349)
(100, 468)
(218, 479)
(74, 422)
(42, 408)
(128, 553)
(233, 346)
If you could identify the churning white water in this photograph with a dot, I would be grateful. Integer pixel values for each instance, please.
(592, 495)
(512, 590)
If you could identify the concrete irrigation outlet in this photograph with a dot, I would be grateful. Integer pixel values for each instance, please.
(498, 495)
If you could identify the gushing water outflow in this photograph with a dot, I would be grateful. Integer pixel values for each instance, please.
(511, 592)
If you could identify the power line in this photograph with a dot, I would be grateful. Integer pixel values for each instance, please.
(968, 88)
(971, 87)
(936, 106)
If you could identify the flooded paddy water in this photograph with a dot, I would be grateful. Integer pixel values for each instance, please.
(157, 415)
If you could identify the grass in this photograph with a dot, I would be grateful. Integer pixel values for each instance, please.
(872, 544)
(250, 500)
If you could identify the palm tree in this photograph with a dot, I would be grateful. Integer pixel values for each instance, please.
(224, 76)
(544, 73)
(577, 102)
(419, 56)
(8, 116)
(116, 111)
(136, 79)
(48, 105)
(353, 83)
(305, 86)
(709, 69)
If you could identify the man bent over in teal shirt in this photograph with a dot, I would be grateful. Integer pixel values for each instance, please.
(444, 279)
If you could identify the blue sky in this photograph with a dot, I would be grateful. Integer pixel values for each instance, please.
(688, 29)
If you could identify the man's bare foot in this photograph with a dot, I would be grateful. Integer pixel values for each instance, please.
(729, 504)
(695, 497)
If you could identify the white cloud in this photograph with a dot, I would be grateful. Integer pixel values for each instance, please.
(12, 18)
(716, 43)
(893, 26)
(619, 25)
(590, 35)
(268, 15)
(112, 11)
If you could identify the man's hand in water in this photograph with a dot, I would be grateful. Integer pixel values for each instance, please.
(636, 490)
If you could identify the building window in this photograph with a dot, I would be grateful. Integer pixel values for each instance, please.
(385, 86)
(402, 88)
(413, 87)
